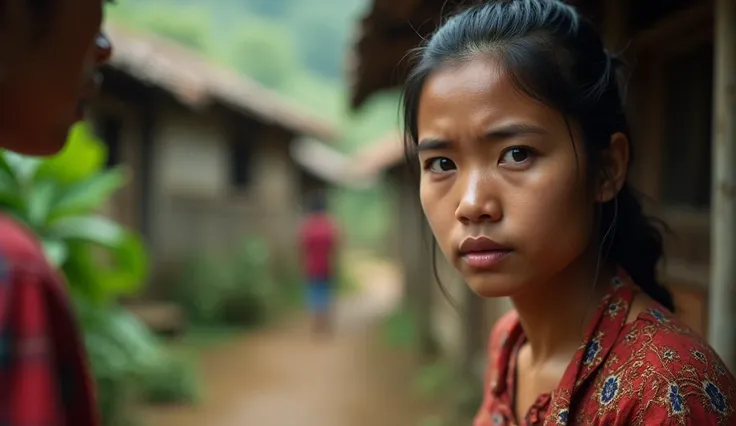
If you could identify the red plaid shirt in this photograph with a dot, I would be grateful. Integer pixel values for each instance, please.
(44, 378)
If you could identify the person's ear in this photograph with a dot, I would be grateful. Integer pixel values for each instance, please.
(615, 166)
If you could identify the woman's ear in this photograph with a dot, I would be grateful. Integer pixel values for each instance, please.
(615, 167)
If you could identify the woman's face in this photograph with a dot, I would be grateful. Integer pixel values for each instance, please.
(501, 185)
(47, 71)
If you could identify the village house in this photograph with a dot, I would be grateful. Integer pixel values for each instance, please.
(209, 150)
(683, 53)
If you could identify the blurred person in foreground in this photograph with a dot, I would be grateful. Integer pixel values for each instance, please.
(49, 55)
(318, 235)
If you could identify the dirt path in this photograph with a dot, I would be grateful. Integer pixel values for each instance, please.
(283, 377)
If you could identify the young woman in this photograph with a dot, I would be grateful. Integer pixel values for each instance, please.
(515, 114)
(49, 52)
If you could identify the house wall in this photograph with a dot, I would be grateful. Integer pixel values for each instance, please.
(198, 210)
(276, 185)
(191, 177)
(124, 204)
(194, 203)
(277, 188)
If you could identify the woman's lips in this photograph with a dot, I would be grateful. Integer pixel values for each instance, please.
(485, 260)
(482, 252)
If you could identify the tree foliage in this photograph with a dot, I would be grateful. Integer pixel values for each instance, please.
(260, 50)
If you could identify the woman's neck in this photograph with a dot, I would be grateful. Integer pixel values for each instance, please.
(556, 314)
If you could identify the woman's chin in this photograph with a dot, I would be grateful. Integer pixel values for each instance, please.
(492, 287)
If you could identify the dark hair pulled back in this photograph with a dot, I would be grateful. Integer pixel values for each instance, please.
(557, 57)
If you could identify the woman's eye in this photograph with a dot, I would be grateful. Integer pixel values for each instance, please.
(440, 165)
(516, 155)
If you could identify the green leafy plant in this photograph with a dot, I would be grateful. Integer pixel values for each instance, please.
(173, 382)
(122, 353)
(252, 296)
(236, 290)
(60, 208)
(202, 285)
(59, 198)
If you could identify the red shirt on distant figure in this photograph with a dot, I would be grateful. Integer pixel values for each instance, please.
(318, 240)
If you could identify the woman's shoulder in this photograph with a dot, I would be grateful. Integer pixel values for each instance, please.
(665, 339)
(669, 372)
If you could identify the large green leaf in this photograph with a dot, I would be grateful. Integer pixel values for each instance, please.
(90, 228)
(89, 194)
(80, 270)
(39, 200)
(4, 165)
(56, 252)
(129, 265)
(22, 167)
(83, 156)
(10, 195)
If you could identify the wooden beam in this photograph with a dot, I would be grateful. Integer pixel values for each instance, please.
(722, 330)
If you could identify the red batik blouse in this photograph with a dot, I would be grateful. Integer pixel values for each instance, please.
(651, 371)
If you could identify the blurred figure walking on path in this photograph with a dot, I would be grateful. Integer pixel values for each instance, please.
(318, 238)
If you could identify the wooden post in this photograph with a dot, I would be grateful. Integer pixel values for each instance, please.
(722, 327)
(416, 252)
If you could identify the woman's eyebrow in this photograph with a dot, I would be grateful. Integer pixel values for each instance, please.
(430, 144)
(513, 130)
(505, 131)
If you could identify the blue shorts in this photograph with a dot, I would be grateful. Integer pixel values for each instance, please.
(319, 295)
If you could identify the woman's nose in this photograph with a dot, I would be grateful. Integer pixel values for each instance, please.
(479, 201)
(103, 49)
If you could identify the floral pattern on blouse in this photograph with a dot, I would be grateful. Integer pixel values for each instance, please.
(651, 371)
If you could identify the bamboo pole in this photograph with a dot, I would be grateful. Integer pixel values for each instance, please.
(722, 327)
